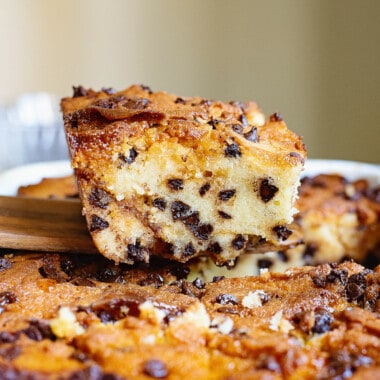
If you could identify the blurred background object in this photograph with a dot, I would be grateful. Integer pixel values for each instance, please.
(31, 130)
(315, 61)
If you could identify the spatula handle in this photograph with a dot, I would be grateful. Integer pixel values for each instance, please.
(44, 225)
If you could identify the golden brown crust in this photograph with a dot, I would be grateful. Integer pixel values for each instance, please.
(180, 177)
(138, 323)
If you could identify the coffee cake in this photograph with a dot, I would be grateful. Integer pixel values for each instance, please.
(180, 177)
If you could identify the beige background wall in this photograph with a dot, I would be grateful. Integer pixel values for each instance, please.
(315, 61)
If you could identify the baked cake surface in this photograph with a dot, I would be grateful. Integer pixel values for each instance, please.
(65, 317)
(179, 177)
(57, 188)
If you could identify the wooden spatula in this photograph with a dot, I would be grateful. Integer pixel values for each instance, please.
(44, 225)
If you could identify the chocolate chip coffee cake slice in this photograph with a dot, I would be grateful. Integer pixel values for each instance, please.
(180, 177)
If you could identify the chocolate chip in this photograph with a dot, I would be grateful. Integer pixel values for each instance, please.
(227, 299)
(204, 189)
(180, 271)
(160, 203)
(156, 369)
(232, 150)
(198, 283)
(214, 247)
(264, 263)
(244, 120)
(51, 268)
(181, 211)
(238, 128)
(152, 279)
(227, 310)
(309, 252)
(135, 103)
(175, 184)
(9, 337)
(180, 101)
(131, 156)
(337, 274)
(297, 156)
(205, 102)
(99, 198)
(320, 282)
(108, 90)
(275, 117)
(93, 372)
(147, 89)
(109, 103)
(267, 190)
(116, 308)
(109, 274)
(322, 321)
(189, 250)
(4, 264)
(202, 231)
(282, 232)
(282, 256)
(5, 299)
(355, 287)
(137, 252)
(191, 219)
(97, 223)
(217, 278)
(239, 242)
(342, 364)
(79, 91)
(39, 330)
(189, 289)
(224, 215)
(213, 123)
(11, 352)
(236, 103)
(252, 135)
(225, 195)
